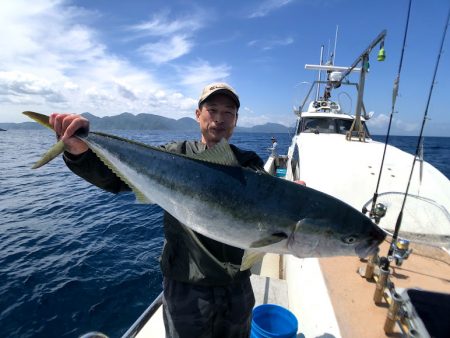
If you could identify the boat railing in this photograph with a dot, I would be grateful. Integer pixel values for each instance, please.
(144, 318)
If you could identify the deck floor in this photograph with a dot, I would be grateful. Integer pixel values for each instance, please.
(352, 295)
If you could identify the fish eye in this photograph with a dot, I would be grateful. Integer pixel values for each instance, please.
(350, 239)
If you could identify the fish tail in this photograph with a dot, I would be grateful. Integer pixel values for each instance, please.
(54, 151)
(39, 118)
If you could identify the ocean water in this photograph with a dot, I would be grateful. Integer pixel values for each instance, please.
(75, 259)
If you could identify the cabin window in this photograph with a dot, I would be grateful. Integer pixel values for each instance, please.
(344, 126)
(318, 125)
(328, 125)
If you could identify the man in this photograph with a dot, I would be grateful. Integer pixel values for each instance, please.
(274, 147)
(205, 293)
(274, 153)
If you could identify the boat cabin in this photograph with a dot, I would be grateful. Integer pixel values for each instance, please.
(327, 117)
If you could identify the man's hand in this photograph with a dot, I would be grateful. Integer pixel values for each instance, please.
(65, 126)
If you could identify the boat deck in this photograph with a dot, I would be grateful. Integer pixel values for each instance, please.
(352, 295)
(267, 287)
(350, 303)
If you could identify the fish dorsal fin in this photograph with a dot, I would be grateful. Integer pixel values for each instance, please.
(221, 153)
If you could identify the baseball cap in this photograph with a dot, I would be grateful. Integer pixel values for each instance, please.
(216, 88)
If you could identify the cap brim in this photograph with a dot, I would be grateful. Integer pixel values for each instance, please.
(226, 92)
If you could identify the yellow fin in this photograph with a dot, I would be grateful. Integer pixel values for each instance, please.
(271, 239)
(39, 118)
(54, 151)
(250, 258)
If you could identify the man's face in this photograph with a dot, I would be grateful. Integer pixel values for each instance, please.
(217, 119)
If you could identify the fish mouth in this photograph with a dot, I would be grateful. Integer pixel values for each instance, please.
(364, 250)
(370, 246)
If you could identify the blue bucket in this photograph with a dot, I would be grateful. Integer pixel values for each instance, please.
(281, 172)
(273, 321)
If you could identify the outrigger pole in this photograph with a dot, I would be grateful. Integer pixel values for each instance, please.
(357, 127)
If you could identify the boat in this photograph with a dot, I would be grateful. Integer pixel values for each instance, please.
(332, 151)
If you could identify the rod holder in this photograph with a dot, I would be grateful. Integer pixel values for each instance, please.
(393, 313)
(368, 271)
(381, 285)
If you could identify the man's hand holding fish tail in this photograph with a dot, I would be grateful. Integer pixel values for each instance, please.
(65, 126)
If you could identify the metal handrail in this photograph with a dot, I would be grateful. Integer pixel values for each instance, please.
(144, 318)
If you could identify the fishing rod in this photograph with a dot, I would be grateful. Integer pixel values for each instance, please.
(394, 99)
(400, 215)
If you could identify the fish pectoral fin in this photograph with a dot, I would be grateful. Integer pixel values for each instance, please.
(54, 151)
(250, 258)
(39, 118)
(221, 153)
(271, 239)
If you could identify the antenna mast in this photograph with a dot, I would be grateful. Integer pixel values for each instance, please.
(320, 74)
(335, 43)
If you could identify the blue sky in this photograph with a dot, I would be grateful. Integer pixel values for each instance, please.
(108, 57)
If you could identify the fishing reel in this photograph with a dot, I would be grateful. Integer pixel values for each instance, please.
(401, 251)
(378, 212)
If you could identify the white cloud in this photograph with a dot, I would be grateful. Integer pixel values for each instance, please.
(406, 126)
(270, 44)
(23, 86)
(50, 61)
(125, 92)
(250, 118)
(380, 122)
(71, 86)
(160, 25)
(167, 49)
(201, 73)
(169, 39)
(267, 7)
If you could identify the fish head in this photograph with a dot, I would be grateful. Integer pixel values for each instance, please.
(325, 238)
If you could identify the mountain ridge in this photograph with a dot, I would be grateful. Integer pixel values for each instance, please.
(145, 121)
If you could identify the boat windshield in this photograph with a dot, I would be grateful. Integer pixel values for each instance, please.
(328, 125)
